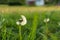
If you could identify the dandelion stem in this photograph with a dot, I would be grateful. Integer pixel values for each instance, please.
(46, 32)
(46, 29)
(20, 35)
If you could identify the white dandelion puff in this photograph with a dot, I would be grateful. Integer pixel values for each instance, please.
(46, 20)
(22, 21)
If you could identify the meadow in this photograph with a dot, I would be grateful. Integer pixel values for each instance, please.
(43, 23)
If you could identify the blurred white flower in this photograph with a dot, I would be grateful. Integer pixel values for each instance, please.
(22, 21)
(46, 20)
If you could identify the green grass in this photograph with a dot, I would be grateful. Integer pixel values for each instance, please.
(35, 29)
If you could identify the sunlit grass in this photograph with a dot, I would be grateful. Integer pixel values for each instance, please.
(7, 9)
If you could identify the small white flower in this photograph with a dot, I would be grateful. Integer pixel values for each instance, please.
(22, 21)
(46, 20)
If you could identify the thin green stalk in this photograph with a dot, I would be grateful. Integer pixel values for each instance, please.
(46, 29)
(45, 32)
(20, 34)
(32, 34)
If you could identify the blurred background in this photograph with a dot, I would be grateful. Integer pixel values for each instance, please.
(30, 2)
(43, 19)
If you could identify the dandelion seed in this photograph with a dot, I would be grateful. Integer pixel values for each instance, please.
(46, 20)
(22, 21)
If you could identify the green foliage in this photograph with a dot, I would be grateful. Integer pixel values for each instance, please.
(35, 29)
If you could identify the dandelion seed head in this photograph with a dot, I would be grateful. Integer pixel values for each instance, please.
(46, 20)
(22, 21)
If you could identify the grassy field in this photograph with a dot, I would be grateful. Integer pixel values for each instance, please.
(27, 9)
(43, 23)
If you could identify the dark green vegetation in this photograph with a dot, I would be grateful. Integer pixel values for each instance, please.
(35, 29)
(12, 2)
(22, 2)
